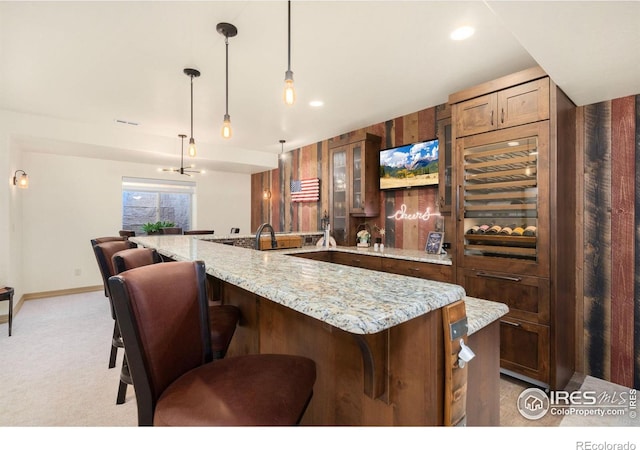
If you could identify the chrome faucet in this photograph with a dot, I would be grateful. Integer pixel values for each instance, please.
(274, 242)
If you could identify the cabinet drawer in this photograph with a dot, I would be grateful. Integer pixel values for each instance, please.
(524, 348)
(355, 260)
(436, 272)
(527, 297)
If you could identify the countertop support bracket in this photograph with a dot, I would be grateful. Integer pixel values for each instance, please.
(375, 359)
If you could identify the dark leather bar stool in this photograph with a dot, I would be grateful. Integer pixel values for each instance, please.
(104, 252)
(6, 293)
(122, 261)
(100, 240)
(127, 233)
(190, 232)
(163, 314)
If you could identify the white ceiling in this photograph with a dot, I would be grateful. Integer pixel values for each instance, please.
(86, 64)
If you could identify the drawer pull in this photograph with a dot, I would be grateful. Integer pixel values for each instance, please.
(513, 324)
(499, 277)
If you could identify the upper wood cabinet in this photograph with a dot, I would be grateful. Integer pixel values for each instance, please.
(445, 158)
(354, 171)
(518, 105)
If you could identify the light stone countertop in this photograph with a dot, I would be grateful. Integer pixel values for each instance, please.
(374, 301)
(396, 253)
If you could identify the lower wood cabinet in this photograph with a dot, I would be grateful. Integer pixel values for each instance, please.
(436, 272)
(417, 269)
(524, 348)
(355, 260)
(524, 331)
(527, 297)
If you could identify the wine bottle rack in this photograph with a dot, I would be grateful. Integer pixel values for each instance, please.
(500, 187)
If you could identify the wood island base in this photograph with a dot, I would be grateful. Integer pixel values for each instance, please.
(395, 377)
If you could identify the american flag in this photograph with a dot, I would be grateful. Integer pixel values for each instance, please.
(307, 190)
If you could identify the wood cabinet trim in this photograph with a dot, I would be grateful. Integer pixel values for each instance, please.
(498, 84)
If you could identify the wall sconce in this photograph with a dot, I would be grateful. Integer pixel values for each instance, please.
(22, 181)
(266, 194)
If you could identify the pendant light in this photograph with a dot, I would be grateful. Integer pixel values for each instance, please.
(182, 170)
(289, 91)
(282, 141)
(191, 73)
(227, 30)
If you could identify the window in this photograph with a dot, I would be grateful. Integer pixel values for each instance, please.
(146, 200)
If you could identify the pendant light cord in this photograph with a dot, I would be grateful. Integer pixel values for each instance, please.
(182, 153)
(191, 76)
(289, 36)
(226, 43)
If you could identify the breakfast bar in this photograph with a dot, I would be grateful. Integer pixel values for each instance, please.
(376, 337)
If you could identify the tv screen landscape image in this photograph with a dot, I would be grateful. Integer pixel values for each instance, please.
(409, 165)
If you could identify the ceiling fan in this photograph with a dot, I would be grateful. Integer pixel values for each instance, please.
(182, 170)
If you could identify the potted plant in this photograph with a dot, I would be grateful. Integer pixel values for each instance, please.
(154, 228)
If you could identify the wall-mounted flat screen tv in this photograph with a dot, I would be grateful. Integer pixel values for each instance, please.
(409, 165)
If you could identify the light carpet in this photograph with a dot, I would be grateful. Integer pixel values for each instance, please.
(55, 365)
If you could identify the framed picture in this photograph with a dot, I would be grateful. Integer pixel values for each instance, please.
(434, 242)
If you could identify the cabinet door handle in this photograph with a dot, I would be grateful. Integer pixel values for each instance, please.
(499, 277)
(460, 213)
(492, 117)
(513, 324)
(502, 115)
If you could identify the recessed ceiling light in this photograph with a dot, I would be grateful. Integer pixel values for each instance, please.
(316, 103)
(462, 33)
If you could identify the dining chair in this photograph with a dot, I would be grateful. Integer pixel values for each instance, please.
(171, 230)
(191, 232)
(163, 314)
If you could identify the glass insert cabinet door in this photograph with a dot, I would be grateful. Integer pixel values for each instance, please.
(356, 176)
(339, 200)
(501, 199)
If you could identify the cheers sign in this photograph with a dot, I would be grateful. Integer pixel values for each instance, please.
(402, 214)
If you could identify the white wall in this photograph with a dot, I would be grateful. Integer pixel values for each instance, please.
(45, 230)
(73, 199)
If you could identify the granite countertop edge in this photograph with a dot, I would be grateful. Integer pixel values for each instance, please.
(378, 300)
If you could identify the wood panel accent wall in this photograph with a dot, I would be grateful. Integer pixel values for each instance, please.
(609, 263)
(607, 223)
(312, 161)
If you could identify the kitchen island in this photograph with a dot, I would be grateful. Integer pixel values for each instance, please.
(377, 338)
